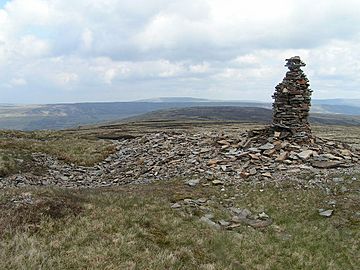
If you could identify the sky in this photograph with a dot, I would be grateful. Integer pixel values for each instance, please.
(54, 51)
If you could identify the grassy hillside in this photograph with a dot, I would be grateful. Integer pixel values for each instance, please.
(138, 227)
(135, 228)
(16, 148)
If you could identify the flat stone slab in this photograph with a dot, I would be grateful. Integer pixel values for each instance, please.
(326, 164)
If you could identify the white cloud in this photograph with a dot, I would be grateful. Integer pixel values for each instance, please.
(31, 46)
(183, 47)
(15, 82)
(64, 78)
(87, 39)
(200, 68)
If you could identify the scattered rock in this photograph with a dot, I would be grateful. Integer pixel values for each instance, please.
(209, 215)
(223, 167)
(224, 223)
(344, 189)
(332, 202)
(176, 205)
(223, 142)
(306, 154)
(268, 175)
(325, 164)
(240, 212)
(210, 222)
(258, 224)
(252, 171)
(282, 156)
(193, 182)
(217, 182)
(267, 146)
(325, 213)
(201, 200)
(263, 215)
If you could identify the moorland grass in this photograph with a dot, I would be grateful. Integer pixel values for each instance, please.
(134, 227)
(16, 148)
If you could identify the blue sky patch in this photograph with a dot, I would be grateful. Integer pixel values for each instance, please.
(2, 3)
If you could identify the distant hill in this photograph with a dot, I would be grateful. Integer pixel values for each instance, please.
(60, 116)
(336, 109)
(240, 114)
(228, 113)
(175, 99)
(337, 101)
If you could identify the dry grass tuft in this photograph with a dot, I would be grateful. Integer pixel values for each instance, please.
(134, 227)
(16, 148)
(25, 211)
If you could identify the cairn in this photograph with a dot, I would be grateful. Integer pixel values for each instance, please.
(292, 104)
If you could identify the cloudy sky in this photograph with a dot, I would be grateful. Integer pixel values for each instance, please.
(116, 50)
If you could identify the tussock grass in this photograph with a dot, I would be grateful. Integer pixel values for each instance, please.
(23, 211)
(7, 163)
(16, 148)
(135, 228)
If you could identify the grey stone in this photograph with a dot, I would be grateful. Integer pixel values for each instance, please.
(266, 146)
(240, 212)
(325, 213)
(189, 201)
(217, 182)
(223, 167)
(306, 154)
(332, 202)
(325, 164)
(210, 222)
(176, 205)
(263, 215)
(253, 171)
(193, 182)
(201, 200)
(209, 215)
(224, 223)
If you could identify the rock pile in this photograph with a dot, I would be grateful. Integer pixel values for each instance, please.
(292, 103)
(206, 156)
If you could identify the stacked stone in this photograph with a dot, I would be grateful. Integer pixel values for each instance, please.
(292, 103)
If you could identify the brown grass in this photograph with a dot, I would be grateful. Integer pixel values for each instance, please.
(25, 211)
(16, 148)
(134, 228)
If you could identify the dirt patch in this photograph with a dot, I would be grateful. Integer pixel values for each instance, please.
(25, 211)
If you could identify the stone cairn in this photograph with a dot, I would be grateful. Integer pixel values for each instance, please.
(292, 104)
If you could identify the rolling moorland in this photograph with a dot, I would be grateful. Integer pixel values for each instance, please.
(168, 205)
(60, 116)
